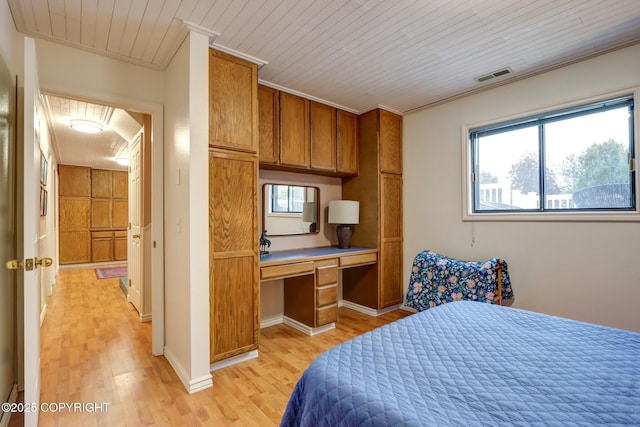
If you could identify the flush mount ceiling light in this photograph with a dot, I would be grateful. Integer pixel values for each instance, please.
(86, 125)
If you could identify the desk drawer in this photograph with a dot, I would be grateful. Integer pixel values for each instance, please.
(326, 275)
(286, 270)
(326, 295)
(347, 261)
(326, 315)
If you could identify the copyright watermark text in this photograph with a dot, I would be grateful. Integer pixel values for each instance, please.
(56, 407)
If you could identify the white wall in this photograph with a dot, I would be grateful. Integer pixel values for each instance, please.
(585, 271)
(186, 214)
(271, 292)
(74, 72)
(11, 42)
(47, 227)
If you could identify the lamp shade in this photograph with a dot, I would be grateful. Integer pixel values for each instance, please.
(344, 212)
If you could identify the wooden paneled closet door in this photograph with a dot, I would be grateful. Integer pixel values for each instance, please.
(233, 247)
(391, 289)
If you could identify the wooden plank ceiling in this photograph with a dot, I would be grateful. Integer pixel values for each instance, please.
(358, 54)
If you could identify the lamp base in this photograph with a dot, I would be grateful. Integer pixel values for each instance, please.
(344, 233)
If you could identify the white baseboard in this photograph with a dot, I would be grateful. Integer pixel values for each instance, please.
(233, 360)
(368, 310)
(95, 264)
(271, 321)
(307, 329)
(145, 318)
(407, 308)
(191, 385)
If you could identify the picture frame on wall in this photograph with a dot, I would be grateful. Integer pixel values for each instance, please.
(43, 201)
(43, 169)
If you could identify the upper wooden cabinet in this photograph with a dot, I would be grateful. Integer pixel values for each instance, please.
(347, 143)
(294, 131)
(390, 129)
(323, 137)
(233, 102)
(301, 135)
(268, 124)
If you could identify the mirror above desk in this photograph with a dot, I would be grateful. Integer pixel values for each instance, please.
(290, 209)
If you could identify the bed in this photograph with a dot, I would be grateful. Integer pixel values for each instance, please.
(437, 279)
(470, 363)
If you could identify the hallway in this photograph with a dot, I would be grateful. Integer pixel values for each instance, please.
(94, 351)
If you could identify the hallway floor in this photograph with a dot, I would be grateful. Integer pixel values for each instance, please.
(95, 350)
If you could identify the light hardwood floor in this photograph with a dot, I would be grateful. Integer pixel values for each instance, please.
(95, 350)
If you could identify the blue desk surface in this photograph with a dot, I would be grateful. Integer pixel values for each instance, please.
(278, 257)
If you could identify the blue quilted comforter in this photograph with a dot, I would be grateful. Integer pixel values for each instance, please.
(436, 279)
(467, 363)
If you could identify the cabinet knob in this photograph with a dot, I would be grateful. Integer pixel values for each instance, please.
(135, 236)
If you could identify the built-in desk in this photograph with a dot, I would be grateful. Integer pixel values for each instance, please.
(310, 279)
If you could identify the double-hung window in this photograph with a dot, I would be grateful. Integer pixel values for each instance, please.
(579, 159)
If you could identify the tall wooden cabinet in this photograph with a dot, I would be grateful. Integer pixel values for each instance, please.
(233, 207)
(93, 214)
(378, 187)
(74, 205)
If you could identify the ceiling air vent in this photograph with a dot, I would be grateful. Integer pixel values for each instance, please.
(493, 75)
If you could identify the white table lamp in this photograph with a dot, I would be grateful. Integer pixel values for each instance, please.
(345, 213)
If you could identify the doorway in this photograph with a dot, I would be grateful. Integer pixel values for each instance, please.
(122, 118)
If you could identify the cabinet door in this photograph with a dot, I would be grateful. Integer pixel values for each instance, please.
(347, 143)
(75, 247)
(233, 246)
(233, 102)
(75, 240)
(120, 213)
(391, 290)
(294, 130)
(101, 213)
(120, 185)
(102, 246)
(101, 181)
(323, 137)
(74, 181)
(120, 245)
(390, 142)
(269, 124)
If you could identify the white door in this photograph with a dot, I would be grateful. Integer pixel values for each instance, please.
(134, 255)
(28, 249)
(8, 369)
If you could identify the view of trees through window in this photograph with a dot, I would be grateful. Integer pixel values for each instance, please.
(570, 161)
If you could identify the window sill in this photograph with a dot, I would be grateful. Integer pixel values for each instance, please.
(629, 216)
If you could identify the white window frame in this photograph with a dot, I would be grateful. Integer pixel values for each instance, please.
(602, 216)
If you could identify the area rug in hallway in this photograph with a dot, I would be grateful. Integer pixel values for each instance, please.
(111, 272)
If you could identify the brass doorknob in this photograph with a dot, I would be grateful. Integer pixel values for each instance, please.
(44, 262)
(135, 236)
(13, 264)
